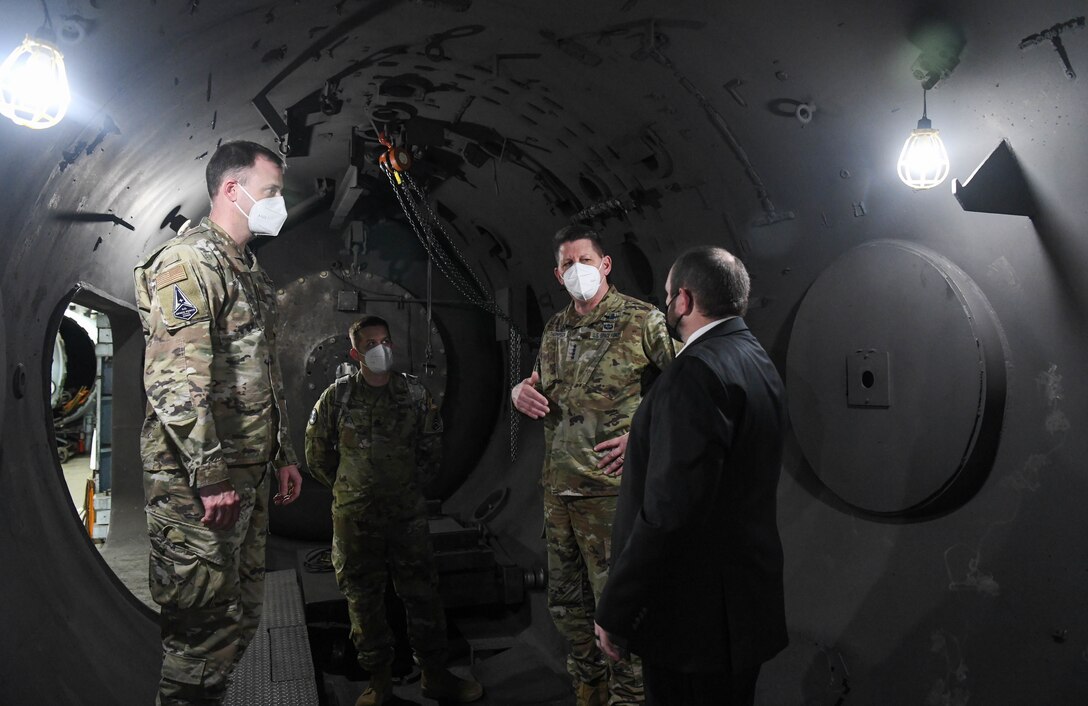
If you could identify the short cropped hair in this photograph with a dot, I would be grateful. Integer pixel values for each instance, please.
(716, 279)
(356, 330)
(234, 157)
(568, 234)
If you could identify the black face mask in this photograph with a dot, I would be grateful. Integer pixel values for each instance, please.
(673, 327)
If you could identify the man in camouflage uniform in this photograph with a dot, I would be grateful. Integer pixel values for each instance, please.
(375, 439)
(596, 358)
(216, 418)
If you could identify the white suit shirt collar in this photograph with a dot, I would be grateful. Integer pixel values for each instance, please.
(692, 338)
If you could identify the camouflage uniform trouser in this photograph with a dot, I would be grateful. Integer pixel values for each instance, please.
(366, 549)
(578, 531)
(208, 583)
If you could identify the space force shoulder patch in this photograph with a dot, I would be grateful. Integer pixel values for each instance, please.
(179, 297)
(183, 308)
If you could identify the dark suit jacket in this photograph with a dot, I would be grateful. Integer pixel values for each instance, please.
(696, 577)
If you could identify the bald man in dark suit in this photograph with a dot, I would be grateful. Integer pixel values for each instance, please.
(695, 587)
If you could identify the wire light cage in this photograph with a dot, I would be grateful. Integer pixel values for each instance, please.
(34, 85)
(923, 162)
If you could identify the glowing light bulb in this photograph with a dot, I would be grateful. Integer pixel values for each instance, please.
(34, 85)
(923, 163)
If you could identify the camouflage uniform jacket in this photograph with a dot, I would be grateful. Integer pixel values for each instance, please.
(214, 388)
(592, 370)
(376, 447)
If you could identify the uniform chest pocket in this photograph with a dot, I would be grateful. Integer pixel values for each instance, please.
(586, 350)
(388, 427)
(353, 433)
(249, 305)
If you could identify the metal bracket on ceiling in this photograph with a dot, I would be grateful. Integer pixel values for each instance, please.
(1054, 35)
(998, 185)
(276, 123)
(435, 49)
(272, 117)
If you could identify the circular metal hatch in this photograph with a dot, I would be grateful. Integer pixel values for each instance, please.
(896, 380)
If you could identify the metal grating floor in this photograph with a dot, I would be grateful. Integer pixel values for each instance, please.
(277, 669)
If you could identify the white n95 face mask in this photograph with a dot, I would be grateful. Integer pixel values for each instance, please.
(378, 359)
(267, 215)
(582, 281)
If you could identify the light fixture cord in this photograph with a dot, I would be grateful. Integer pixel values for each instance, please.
(924, 92)
(48, 20)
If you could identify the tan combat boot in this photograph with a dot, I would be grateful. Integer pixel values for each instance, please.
(586, 694)
(380, 689)
(440, 683)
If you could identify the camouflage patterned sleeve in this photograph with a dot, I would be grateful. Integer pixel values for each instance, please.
(286, 455)
(183, 290)
(656, 341)
(322, 458)
(429, 449)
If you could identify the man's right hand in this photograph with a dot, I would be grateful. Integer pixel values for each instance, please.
(527, 399)
(221, 505)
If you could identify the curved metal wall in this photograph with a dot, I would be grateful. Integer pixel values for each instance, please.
(982, 604)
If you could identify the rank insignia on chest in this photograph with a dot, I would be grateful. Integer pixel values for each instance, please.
(183, 308)
(608, 326)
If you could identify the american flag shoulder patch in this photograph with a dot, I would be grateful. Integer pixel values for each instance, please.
(175, 273)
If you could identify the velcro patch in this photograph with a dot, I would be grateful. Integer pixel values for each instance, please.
(183, 308)
(183, 302)
(171, 275)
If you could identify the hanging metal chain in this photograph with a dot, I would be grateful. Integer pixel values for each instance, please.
(424, 222)
(428, 351)
(513, 378)
(438, 254)
(420, 201)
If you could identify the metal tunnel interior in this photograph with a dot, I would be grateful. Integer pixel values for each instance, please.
(932, 341)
